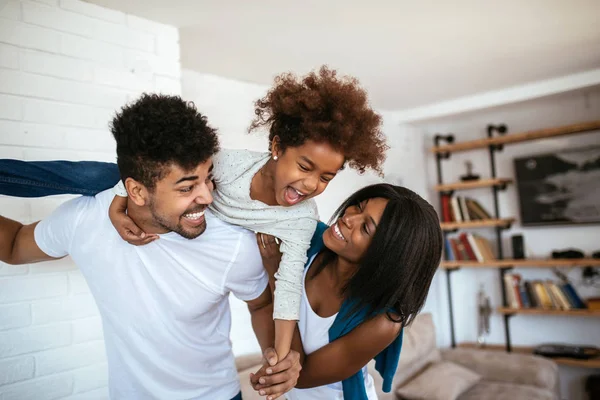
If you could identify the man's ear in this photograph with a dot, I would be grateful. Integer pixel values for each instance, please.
(137, 192)
(276, 147)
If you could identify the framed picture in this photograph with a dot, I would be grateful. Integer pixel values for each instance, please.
(559, 188)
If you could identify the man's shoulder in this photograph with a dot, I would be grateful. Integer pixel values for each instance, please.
(232, 238)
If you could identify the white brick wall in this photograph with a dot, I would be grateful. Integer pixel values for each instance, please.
(65, 67)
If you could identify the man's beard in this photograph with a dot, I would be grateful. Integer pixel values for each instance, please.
(177, 228)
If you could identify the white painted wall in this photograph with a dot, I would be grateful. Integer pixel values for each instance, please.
(229, 106)
(64, 69)
(551, 111)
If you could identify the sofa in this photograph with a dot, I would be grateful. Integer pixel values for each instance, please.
(426, 372)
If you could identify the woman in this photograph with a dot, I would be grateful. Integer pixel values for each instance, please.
(367, 277)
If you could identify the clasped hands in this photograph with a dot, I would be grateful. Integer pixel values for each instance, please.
(275, 378)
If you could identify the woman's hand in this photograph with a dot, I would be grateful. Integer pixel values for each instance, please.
(274, 378)
(125, 226)
(269, 251)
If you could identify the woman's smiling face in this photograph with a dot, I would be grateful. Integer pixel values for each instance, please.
(352, 234)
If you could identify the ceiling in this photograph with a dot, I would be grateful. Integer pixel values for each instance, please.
(405, 53)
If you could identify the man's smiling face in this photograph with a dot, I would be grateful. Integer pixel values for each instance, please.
(179, 200)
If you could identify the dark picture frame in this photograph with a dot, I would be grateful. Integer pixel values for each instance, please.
(559, 188)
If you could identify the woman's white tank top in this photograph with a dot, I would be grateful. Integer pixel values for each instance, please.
(314, 331)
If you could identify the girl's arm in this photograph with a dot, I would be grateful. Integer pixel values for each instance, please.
(127, 229)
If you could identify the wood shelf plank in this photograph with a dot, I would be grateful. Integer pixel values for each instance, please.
(527, 263)
(541, 311)
(480, 183)
(572, 362)
(481, 223)
(519, 137)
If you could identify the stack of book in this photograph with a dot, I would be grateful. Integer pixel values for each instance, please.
(462, 209)
(468, 247)
(546, 295)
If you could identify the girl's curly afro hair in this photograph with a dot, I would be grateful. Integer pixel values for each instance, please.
(323, 107)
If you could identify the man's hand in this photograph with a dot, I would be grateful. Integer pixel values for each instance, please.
(276, 378)
(269, 251)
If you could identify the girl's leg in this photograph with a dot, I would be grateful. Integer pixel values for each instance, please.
(44, 178)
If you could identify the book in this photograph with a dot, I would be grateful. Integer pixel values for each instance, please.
(446, 215)
(524, 296)
(484, 248)
(449, 252)
(477, 208)
(465, 241)
(574, 297)
(555, 301)
(456, 209)
(542, 294)
(509, 292)
(463, 208)
(476, 247)
(530, 294)
(558, 293)
(457, 254)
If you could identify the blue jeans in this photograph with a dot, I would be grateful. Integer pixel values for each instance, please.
(45, 178)
(238, 396)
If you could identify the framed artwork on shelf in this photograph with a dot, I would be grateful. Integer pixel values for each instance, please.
(559, 188)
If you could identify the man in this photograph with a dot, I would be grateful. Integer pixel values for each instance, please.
(164, 306)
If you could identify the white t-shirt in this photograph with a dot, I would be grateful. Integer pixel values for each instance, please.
(164, 306)
(314, 331)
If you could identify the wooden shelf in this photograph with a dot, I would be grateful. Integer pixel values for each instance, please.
(519, 137)
(528, 263)
(480, 183)
(541, 311)
(572, 362)
(481, 223)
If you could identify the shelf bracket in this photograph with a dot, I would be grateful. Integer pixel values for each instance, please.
(501, 187)
(437, 139)
(501, 129)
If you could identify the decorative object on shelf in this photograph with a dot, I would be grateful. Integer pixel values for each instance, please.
(567, 253)
(563, 350)
(559, 188)
(484, 311)
(518, 247)
(469, 176)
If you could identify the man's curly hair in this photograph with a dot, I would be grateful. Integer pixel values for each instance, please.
(157, 131)
(324, 108)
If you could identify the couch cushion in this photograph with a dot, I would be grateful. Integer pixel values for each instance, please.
(486, 390)
(498, 366)
(443, 380)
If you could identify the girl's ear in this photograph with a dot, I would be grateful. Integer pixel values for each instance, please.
(276, 148)
(138, 193)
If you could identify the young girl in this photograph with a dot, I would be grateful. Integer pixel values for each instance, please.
(316, 125)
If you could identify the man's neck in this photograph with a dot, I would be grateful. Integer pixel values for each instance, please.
(142, 217)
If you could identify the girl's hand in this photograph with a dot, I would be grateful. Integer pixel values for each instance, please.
(125, 226)
(269, 251)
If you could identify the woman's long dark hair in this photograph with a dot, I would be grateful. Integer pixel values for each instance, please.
(398, 267)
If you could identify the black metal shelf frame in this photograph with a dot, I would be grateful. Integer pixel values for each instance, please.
(493, 149)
